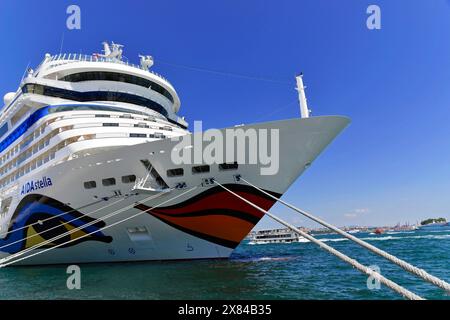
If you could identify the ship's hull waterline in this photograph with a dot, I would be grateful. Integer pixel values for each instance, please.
(206, 222)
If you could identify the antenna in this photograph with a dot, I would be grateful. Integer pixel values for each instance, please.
(304, 111)
(27, 71)
(62, 42)
(106, 49)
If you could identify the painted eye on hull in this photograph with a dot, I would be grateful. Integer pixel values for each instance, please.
(38, 219)
(43, 228)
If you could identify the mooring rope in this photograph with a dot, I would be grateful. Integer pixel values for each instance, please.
(389, 283)
(58, 226)
(43, 243)
(405, 265)
(8, 262)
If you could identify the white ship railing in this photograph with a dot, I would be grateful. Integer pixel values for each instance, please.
(79, 57)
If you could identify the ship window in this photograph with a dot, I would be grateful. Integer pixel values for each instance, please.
(3, 129)
(108, 182)
(119, 77)
(228, 166)
(88, 184)
(110, 124)
(200, 169)
(95, 96)
(129, 179)
(141, 125)
(175, 172)
(138, 135)
(102, 116)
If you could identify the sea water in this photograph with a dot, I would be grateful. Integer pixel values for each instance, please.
(272, 271)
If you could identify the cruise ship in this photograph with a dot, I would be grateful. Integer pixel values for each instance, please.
(86, 173)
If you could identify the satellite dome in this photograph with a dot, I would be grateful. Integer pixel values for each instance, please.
(8, 98)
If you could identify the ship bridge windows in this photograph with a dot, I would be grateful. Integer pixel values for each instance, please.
(118, 77)
(95, 96)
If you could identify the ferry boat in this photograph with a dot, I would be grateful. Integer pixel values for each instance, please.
(435, 226)
(283, 235)
(86, 136)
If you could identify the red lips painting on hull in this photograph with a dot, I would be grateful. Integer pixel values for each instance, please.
(215, 215)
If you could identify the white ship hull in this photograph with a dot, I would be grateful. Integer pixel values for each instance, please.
(207, 222)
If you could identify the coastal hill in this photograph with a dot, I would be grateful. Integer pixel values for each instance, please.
(433, 220)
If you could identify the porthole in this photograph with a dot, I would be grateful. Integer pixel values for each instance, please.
(175, 172)
(108, 182)
(228, 166)
(90, 185)
(200, 169)
(129, 179)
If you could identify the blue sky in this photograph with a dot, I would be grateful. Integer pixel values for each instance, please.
(392, 164)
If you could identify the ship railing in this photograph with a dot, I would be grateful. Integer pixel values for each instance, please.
(8, 191)
(79, 57)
